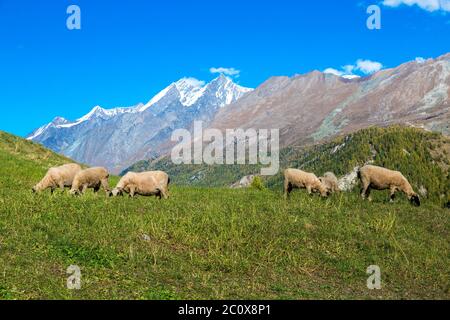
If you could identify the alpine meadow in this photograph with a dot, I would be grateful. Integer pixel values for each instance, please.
(221, 243)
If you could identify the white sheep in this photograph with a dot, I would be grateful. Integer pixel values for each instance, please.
(152, 183)
(58, 177)
(378, 178)
(90, 178)
(330, 182)
(294, 178)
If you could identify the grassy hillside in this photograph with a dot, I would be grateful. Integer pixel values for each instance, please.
(23, 161)
(423, 157)
(211, 243)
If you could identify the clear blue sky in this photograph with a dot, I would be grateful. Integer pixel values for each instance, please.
(127, 51)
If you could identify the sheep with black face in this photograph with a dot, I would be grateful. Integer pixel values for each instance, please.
(378, 178)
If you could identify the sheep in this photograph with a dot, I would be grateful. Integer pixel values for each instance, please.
(378, 178)
(294, 178)
(144, 184)
(58, 177)
(90, 178)
(330, 181)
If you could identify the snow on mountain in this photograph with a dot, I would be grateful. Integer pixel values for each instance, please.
(156, 98)
(96, 112)
(226, 91)
(148, 125)
(99, 112)
(351, 76)
(58, 121)
(190, 90)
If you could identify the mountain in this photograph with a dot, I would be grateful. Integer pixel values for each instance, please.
(315, 107)
(307, 109)
(117, 138)
(424, 157)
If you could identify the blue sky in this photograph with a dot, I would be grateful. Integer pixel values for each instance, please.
(128, 51)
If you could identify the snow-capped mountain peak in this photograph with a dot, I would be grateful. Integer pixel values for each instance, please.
(226, 91)
(59, 121)
(190, 90)
(151, 124)
(55, 122)
(96, 111)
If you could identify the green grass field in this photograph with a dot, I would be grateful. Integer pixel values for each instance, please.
(211, 243)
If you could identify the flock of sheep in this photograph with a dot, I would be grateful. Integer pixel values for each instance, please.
(371, 177)
(156, 183)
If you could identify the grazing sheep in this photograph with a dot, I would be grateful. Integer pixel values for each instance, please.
(330, 182)
(373, 177)
(294, 178)
(58, 177)
(90, 178)
(153, 183)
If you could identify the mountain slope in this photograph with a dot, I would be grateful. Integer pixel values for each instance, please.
(24, 162)
(118, 137)
(423, 157)
(318, 106)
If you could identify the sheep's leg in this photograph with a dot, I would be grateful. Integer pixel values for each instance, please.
(84, 188)
(105, 185)
(392, 195)
(132, 191)
(309, 189)
(287, 188)
(97, 189)
(368, 194)
(61, 186)
(365, 190)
